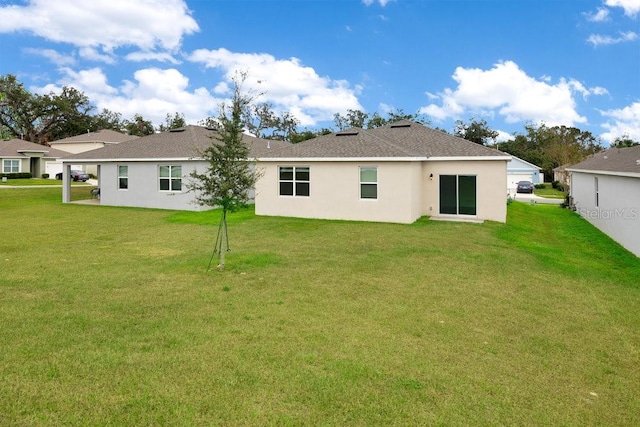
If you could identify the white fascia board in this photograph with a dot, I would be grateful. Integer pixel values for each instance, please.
(380, 159)
(611, 173)
(468, 158)
(340, 159)
(154, 160)
(524, 161)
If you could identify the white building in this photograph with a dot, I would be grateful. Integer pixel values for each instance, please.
(606, 192)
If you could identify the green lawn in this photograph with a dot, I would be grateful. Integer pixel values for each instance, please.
(37, 181)
(109, 318)
(549, 192)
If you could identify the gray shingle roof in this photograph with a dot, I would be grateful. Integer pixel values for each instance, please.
(13, 148)
(402, 139)
(622, 160)
(183, 143)
(103, 135)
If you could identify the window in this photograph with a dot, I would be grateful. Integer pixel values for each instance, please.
(458, 194)
(170, 178)
(11, 166)
(294, 181)
(123, 177)
(595, 183)
(368, 182)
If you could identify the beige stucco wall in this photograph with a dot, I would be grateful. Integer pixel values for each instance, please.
(618, 210)
(405, 190)
(335, 192)
(76, 147)
(491, 184)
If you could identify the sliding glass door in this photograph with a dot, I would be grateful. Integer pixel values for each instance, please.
(458, 194)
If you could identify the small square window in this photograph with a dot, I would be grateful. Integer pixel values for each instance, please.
(170, 178)
(294, 181)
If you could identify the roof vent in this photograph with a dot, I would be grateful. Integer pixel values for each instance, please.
(176, 130)
(401, 125)
(347, 133)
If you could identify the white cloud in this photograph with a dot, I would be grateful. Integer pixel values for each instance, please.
(599, 40)
(52, 55)
(382, 3)
(151, 56)
(601, 15)
(503, 136)
(286, 83)
(93, 55)
(385, 108)
(153, 93)
(624, 122)
(508, 91)
(631, 7)
(108, 24)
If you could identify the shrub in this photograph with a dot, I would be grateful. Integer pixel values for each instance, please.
(540, 186)
(554, 184)
(45, 176)
(16, 175)
(560, 186)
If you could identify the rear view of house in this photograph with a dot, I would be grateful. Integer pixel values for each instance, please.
(395, 173)
(606, 192)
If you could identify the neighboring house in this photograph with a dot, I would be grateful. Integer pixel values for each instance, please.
(86, 142)
(606, 192)
(395, 173)
(521, 170)
(152, 171)
(18, 156)
(560, 174)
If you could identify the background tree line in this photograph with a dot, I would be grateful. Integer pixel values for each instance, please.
(49, 117)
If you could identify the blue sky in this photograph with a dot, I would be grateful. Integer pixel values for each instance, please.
(509, 62)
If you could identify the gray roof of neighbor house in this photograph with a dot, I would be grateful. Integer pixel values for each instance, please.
(403, 139)
(104, 135)
(616, 160)
(16, 147)
(182, 143)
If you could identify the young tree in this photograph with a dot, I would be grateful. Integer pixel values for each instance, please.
(229, 174)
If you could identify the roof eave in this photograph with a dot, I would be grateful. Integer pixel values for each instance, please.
(132, 159)
(601, 172)
(383, 159)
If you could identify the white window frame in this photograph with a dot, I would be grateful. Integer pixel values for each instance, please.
(294, 181)
(170, 178)
(360, 170)
(125, 176)
(4, 168)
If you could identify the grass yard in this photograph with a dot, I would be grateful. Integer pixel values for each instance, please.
(37, 181)
(109, 318)
(549, 192)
